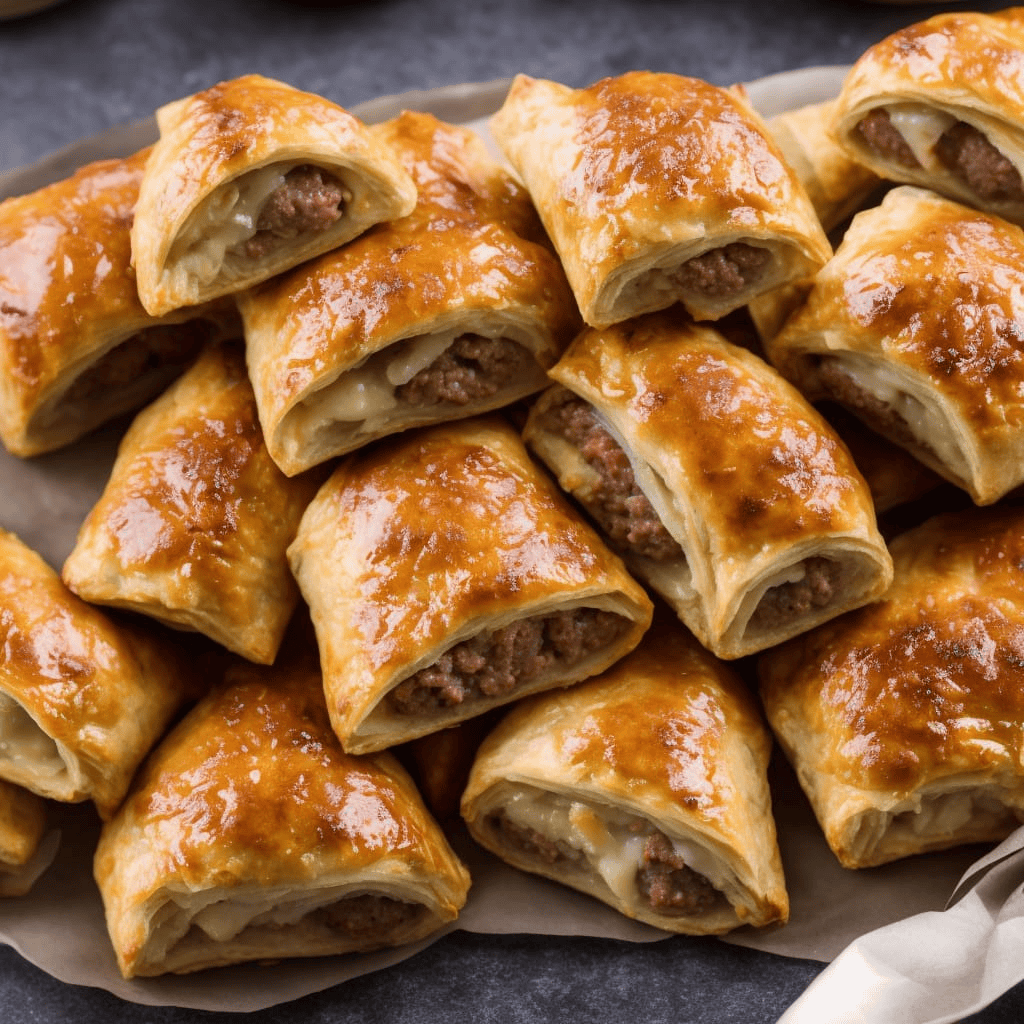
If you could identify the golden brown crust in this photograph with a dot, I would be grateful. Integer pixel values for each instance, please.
(922, 299)
(744, 474)
(251, 799)
(83, 698)
(638, 174)
(471, 259)
(668, 737)
(68, 299)
(419, 544)
(194, 521)
(208, 142)
(895, 707)
(966, 66)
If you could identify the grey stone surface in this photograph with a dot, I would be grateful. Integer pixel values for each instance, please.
(89, 64)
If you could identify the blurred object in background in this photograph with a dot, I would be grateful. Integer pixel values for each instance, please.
(19, 8)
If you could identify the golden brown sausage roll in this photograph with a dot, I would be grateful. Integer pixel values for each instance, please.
(914, 325)
(82, 699)
(658, 189)
(193, 524)
(76, 346)
(646, 787)
(250, 835)
(447, 575)
(251, 177)
(941, 104)
(22, 854)
(723, 488)
(457, 309)
(902, 719)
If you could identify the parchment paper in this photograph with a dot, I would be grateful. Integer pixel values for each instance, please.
(59, 926)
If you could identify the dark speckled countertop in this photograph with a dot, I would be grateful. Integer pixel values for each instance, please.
(86, 65)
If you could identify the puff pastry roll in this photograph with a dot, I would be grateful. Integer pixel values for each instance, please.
(941, 104)
(193, 524)
(447, 575)
(76, 346)
(720, 485)
(914, 326)
(658, 189)
(251, 835)
(23, 853)
(82, 698)
(645, 787)
(902, 719)
(455, 310)
(251, 177)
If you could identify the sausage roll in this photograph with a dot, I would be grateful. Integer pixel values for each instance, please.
(251, 177)
(22, 854)
(720, 485)
(658, 189)
(645, 787)
(76, 346)
(250, 835)
(457, 309)
(940, 104)
(447, 575)
(902, 719)
(194, 521)
(82, 698)
(915, 326)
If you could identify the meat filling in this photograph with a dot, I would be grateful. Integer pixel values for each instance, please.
(162, 352)
(722, 272)
(974, 160)
(369, 915)
(618, 506)
(308, 201)
(962, 149)
(787, 601)
(881, 135)
(494, 664)
(471, 369)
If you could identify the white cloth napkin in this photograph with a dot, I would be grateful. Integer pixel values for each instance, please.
(935, 967)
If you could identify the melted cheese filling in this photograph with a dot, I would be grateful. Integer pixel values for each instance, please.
(921, 127)
(925, 422)
(226, 220)
(610, 840)
(23, 745)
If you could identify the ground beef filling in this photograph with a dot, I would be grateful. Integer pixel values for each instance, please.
(309, 200)
(880, 135)
(668, 884)
(471, 369)
(163, 351)
(663, 879)
(368, 915)
(787, 601)
(494, 664)
(962, 149)
(723, 272)
(616, 503)
(974, 160)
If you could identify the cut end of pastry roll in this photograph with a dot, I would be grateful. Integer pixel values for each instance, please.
(192, 526)
(250, 836)
(716, 481)
(446, 576)
(900, 719)
(913, 326)
(76, 346)
(658, 189)
(645, 787)
(455, 310)
(938, 104)
(24, 853)
(249, 178)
